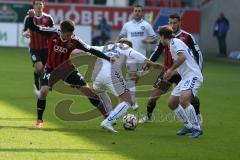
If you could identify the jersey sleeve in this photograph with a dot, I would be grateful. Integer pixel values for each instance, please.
(99, 48)
(124, 31)
(136, 55)
(51, 21)
(150, 31)
(25, 23)
(43, 30)
(196, 51)
(157, 52)
(176, 46)
(93, 50)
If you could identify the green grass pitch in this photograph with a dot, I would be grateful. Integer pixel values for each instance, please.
(220, 106)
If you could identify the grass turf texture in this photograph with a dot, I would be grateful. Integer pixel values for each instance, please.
(86, 140)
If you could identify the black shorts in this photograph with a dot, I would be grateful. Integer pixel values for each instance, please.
(75, 79)
(164, 85)
(39, 55)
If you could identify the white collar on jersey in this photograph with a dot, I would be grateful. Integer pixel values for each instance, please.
(134, 21)
(38, 17)
(62, 39)
(180, 31)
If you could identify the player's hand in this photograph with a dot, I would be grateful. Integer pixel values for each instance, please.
(146, 67)
(27, 34)
(31, 13)
(158, 66)
(112, 59)
(144, 41)
(168, 74)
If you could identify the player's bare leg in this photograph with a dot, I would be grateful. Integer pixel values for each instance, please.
(106, 101)
(38, 67)
(133, 78)
(94, 99)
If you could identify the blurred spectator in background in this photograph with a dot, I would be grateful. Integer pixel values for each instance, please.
(103, 33)
(221, 28)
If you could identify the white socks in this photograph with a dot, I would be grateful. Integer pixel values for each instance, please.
(192, 116)
(117, 112)
(179, 111)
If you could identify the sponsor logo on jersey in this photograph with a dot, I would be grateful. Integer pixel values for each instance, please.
(60, 49)
(137, 34)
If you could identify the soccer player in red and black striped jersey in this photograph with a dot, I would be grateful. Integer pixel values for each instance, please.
(61, 44)
(38, 42)
(161, 86)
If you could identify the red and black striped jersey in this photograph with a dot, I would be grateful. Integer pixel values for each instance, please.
(168, 61)
(189, 40)
(59, 50)
(37, 40)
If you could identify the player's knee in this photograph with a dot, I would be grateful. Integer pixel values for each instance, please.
(173, 103)
(38, 68)
(153, 99)
(185, 99)
(43, 92)
(184, 102)
(94, 101)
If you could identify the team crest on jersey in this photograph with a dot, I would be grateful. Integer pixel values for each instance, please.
(142, 28)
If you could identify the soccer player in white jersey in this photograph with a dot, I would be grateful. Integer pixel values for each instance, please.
(140, 33)
(109, 76)
(185, 65)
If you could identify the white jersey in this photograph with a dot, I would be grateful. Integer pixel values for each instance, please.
(107, 75)
(189, 67)
(136, 32)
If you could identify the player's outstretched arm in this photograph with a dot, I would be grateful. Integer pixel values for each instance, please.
(43, 30)
(154, 65)
(86, 48)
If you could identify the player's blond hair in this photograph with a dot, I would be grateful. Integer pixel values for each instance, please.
(125, 41)
(165, 31)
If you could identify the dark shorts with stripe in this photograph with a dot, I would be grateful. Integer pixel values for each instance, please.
(39, 55)
(74, 79)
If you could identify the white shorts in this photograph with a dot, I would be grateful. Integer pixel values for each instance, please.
(190, 83)
(115, 83)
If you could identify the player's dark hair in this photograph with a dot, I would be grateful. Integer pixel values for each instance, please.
(67, 26)
(34, 1)
(175, 16)
(165, 31)
(138, 6)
